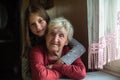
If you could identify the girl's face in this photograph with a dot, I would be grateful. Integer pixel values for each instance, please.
(37, 24)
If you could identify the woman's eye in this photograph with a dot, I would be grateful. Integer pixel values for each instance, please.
(52, 33)
(61, 35)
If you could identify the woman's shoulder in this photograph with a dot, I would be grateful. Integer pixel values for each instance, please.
(66, 49)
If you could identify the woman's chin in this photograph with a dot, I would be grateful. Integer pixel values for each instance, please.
(54, 51)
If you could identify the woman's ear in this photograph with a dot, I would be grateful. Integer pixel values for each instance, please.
(66, 43)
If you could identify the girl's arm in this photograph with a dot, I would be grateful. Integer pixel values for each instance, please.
(77, 50)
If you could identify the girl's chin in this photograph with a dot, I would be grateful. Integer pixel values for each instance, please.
(40, 35)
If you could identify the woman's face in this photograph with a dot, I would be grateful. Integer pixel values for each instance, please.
(37, 24)
(56, 39)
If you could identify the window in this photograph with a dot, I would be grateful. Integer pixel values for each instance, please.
(104, 34)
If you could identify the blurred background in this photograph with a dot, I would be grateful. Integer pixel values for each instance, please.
(9, 40)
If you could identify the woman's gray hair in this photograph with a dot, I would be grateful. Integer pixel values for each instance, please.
(62, 22)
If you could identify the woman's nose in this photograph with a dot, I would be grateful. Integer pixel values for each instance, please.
(56, 38)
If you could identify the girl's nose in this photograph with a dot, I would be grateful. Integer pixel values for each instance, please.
(38, 26)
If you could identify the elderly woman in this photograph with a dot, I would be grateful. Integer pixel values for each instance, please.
(43, 57)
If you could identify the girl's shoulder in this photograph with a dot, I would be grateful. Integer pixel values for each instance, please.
(38, 48)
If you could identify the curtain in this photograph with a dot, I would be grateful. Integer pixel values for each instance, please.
(103, 32)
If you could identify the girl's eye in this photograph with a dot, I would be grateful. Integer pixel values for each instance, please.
(40, 20)
(32, 25)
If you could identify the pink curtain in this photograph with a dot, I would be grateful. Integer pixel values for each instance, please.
(104, 37)
(104, 51)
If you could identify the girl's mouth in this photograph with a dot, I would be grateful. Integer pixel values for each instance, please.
(40, 31)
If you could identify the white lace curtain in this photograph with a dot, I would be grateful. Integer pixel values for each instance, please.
(103, 31)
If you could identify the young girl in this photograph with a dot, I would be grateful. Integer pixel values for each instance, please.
(35, 27)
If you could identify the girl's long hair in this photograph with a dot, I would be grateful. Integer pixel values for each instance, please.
(31, 39)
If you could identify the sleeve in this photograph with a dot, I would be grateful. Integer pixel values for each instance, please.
(75, 71)
(38, 69)
(77, 50)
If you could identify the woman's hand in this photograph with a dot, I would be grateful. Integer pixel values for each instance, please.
(59, 62)
(49, 66)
